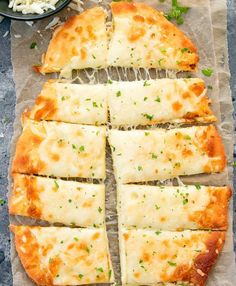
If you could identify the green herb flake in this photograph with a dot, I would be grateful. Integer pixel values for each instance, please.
(76, 239)
(109, 273)
(157, 207)
(171, 263)
(95, 104)
(146, 83)
(2, 202)
(157, 232)
(118, 94)
(176, 12)
(210, 87)
(146, 133)
(185, 201)
(81, 276)
(154, 156)
(94, 56)
(207, 72)
(73, 146)
(99, 209)
(184, 50)
(140, 168)
(145, 98)
(197, 186)
(63, 98)
(158, 99)
(148, 116)
(33, 46)
(99, 269)
(109, 81)
(187, 137)
(56, 184)
(81, 148)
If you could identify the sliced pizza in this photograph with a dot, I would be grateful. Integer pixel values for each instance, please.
(149, 257)
(143, 37)
(63, 256)
(173, 208)
(60, 150)
(81, 42)
(159, 154)
(67, 202)
(159, 101)
(72, 103)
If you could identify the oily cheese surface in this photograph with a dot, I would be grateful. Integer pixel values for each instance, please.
(60, 150)
(81, 42)
(72, 103)
(158, 101)
(143, 37)
(173, 208)
(62, 255)
(158, 154)
(55, 200)
(149, 257)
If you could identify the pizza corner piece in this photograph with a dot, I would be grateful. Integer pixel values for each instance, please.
(158, 154)
(81, 42)
(150, 257)
(64, 256)
(143, 37)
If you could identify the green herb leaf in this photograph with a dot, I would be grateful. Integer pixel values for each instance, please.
(33, 45)
(99, 209)
(158, 232)
(2, 202)
(118, 93)
(176, 12)
(140, 168)
(148, 116)
(56, 184)
(146, 83)
(100, 269)
(171, 263)
(207, 72)
(158, 99)
(95, 104)
(109, 81)
(197, 186)
(81, 148)
(81, 276)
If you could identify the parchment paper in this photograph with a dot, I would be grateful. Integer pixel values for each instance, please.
(205, 19)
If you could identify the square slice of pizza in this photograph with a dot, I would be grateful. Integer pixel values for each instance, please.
(58, 201)
(60, 150)
(159, 154)
(64, 256)
(149, 257)
(173, 208)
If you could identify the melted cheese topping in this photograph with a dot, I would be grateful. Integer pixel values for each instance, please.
(60, 150)
(146, 155)
(154, 101)
(64, 256)
(173, 208)
(32, 6)
(143, 37)
(73, 103)
(66, 202)
(149, 257)
(79, 43)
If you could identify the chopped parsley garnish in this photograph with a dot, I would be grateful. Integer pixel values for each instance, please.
(118, 93)
(157, 207)
(70, 201)
(187, 137)
(63, 98)
(81, 148)
(33, 45)
(2, 202)
(140, 168)
(76, 239)
(109, 273)
(93, 56)
(210, 87)
(146, 133)
(109, 81)
(146, 83)
(95, 104)
(158, 99)
(171, 263)
(176, 12)
(197, 186)
(154, 156)
(185, 201)
(234, 164)
(100, 269)
(148, 116)
(207, 72)
(99, 209)
(145, 98)
(81, 276)
(157, 232)
(56, 184)
(184, 50)
(73, 146)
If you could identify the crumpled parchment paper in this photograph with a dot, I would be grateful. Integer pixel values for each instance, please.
(205, 24)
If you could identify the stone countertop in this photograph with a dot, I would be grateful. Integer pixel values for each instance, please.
(7, 107)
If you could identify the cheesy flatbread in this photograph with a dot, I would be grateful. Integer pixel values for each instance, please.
(146, 155)
(173, 208)
(67, 202)
(155, 101)
(149, 257)
(73, 103)
(60, 150)
(81, 42)
(143, 37)
(63, 256)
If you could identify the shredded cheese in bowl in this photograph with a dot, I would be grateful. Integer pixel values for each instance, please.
(32, 6)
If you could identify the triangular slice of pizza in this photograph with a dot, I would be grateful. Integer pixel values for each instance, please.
(143, 37)
(64, 256)
(79, 43)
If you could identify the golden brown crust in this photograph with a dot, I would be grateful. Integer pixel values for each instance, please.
(69, 40)
(27, 249)
(212, 145)
(215, 215)
(171, 36)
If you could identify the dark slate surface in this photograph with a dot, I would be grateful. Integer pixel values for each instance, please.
(7, 105)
